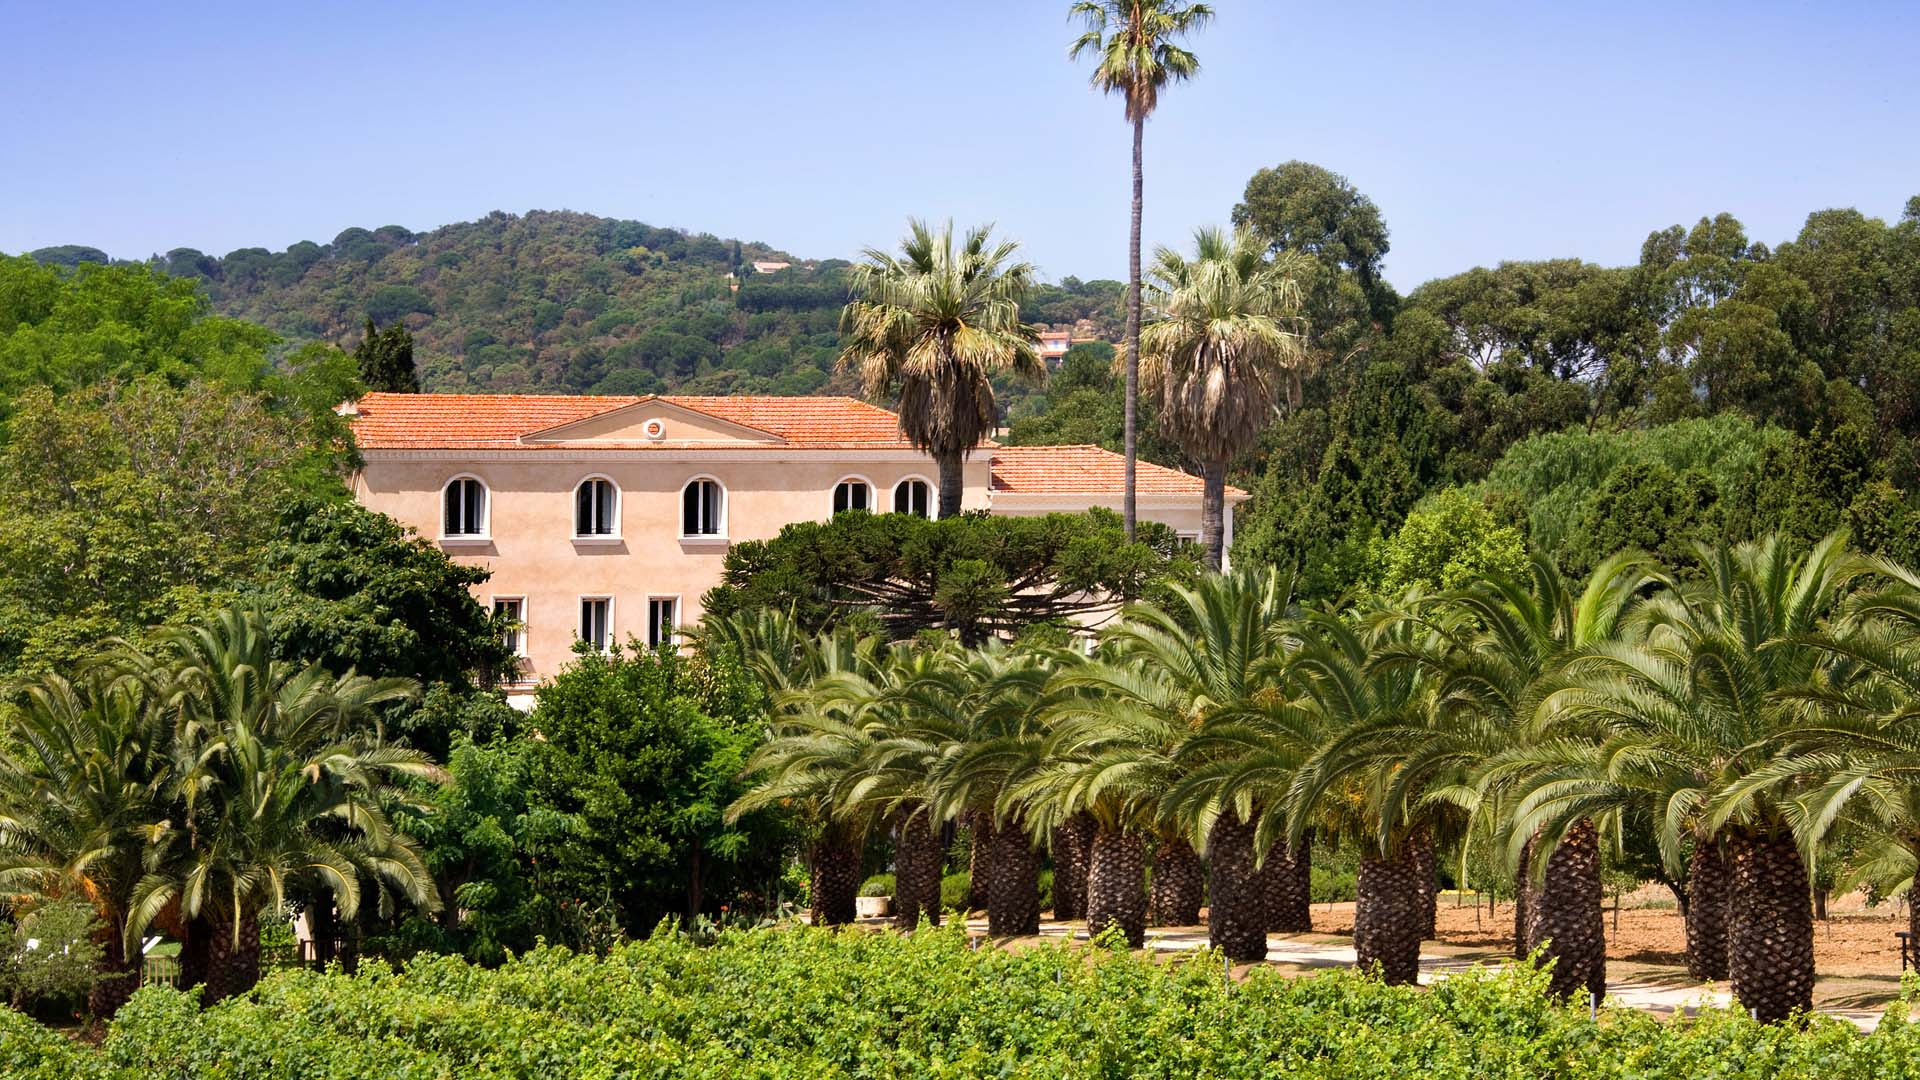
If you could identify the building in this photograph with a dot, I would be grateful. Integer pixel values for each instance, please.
(608, 517)
(1053, 347)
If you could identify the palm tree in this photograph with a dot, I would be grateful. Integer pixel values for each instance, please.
(1135, 47)
(1225, 352)
(281, 779)
(1687, 724)
(937, 323)
(83, 791)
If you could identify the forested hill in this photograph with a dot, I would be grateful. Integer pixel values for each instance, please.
(563, 302)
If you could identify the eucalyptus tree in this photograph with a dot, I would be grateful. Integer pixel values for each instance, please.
(281, 778)
(935, 324)
(1225, 351)
(84, 773)
(808, 749)
(1688, 724)
(1513, 637)
(1135, 45)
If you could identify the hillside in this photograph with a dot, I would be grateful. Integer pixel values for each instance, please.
(563, 302)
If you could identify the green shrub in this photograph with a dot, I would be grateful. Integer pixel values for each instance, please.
(877, 885)
(953, 892)
(801, 1002)
(60, 964)
(1332, 885)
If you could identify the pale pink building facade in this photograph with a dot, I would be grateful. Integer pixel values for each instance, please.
(607, 518)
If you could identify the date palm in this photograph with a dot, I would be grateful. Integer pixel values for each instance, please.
(1223, 354)
(282, 780)
(1135, 46)
(934, 325)
(84, 771)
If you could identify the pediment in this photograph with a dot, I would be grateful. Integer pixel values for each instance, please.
(654, 421)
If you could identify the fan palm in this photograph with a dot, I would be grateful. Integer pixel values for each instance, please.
(1224, 353)
(1681, 723)
(935, 324)
(280, 775)
(1136, 52)
(83, 792)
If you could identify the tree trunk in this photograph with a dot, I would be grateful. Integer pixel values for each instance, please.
(1117, 886)
(1386, 917)
(980, 859)
(1178, 884)
(1565, 920)
(1708, 893)
(195, 949)
(833, 877)
(1522, 893)
(1130, 429)
(1013, 906)
(233, 962)
(116, 976)
(1288, 885)
(1072, 856)
(916, 870)
(1427, 861)
(1770, 936)
(952, 485)
(1236, 910)
(1213, 499)
(1820, 904)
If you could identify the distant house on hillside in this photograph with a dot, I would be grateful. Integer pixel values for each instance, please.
(1054, 345)
(602, 518)
(768, 266)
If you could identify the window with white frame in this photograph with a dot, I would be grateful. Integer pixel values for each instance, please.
(663, 621)
(511, 611)
(703, 508)
(596, 621)
(913, 497)
(852, 494)
(596, 508)
(464, 508)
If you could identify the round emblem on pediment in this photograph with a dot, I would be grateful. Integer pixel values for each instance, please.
(655, 428)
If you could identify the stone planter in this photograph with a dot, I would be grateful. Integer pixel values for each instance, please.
(873, 907)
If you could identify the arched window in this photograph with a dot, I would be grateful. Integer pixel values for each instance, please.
(464, 508)
(852, 493)
(596, 508)
(703, 508)
(913, 496)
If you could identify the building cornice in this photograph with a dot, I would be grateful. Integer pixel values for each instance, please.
(662, 454)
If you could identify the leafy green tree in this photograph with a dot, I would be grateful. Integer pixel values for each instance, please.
(385, 359)
(1136, 52)
(49, 951)
(1447, 543)
(1224, 354)
(933, 326)
(1304, 209)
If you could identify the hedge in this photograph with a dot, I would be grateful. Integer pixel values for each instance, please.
(814, 1003)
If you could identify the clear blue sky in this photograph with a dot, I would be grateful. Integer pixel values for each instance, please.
(1484, 131)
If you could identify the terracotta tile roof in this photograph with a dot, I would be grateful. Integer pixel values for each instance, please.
(502, 421)
(1086, 470)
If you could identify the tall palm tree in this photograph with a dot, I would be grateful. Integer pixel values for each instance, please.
(1136, 51)
(84, 770)
(935, 324)
(281, 778)
(1224, 352)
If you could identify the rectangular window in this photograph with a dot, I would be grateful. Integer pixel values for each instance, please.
(594, 511)
(596, 617)
(700, 509)
(663, 621)
(513, 609)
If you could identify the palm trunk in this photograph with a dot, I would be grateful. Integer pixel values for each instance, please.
(1565, 921)
(1708, 891)
(1386, 917)
(1131, 436)
(116, 976)
(1013, 906)
(916, 870)
(980, 859)
(1288, 878)
(1178, 884)
(1072, 855)
(1428, 863)
(1236, 910)
(952, 485)
(1213, 499)
(233, 959)
(833, 877)
(195, 949)
(1770, 937)
(1522, 897)
(1117, 886)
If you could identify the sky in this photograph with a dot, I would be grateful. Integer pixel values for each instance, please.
(1484, 132)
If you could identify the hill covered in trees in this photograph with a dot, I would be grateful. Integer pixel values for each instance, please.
(563, 302)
